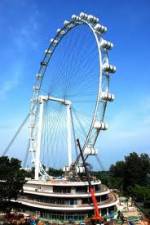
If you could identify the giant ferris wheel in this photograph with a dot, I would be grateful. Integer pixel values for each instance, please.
(71, 93)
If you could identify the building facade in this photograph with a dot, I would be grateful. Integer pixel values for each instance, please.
(64, 200)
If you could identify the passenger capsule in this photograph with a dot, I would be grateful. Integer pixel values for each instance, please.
(36, 88)
(80, 169)
(66, 22)
(38, 76)
(106, 44)
(100, 28)
(90, 151)
(83, 15)
(43, 63)
(54, 41)
(62, 32)
(106, 96)
(92, 19)
(109, 68)
(48, 51)
(58, 30)
(75, 18)
(104, 28)
(100, 125)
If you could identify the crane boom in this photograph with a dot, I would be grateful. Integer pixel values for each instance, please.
(96, 216)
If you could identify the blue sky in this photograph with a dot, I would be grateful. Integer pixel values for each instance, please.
(26, 28)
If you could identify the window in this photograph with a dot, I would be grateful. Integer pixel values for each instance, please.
(57, 189)
(81, 189)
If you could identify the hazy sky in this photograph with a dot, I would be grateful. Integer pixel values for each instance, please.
(26, 27)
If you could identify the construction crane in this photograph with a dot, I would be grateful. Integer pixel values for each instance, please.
(96, 218)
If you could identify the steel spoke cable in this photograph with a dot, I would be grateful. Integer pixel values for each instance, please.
(79, 122)
(26, 155)
(81, 63)
(44, 134)
(63, 138)
(16, 134)
(80, 84)
(100, 163)
(57, 138)
(74, 134)
(74, 59)
(61, 65)
(55, 131)
(88, 78)
(71, 59)
(52, 129)
(45, 131)
(79, 130)
(49, 128)
(49, 136)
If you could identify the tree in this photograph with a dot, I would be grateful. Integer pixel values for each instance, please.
(135, 169)
(141, 193)
(12, 178)
(55, 172)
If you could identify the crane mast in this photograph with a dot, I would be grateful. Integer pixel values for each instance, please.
(96, 217)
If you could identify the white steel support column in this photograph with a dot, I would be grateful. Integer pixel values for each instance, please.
(69, 129)
(67, 104)
(39, 139)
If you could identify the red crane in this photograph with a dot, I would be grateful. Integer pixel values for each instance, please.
(96, 217)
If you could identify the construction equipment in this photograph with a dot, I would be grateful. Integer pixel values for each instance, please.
(96, 218)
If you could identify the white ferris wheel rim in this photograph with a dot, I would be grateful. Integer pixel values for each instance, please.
(97, 30)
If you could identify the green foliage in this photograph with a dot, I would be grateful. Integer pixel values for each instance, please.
(55, 172)
(12, 178)
(30, 173)
(131, 177)
(135, 169)
(141, 193)
(51, 172)
(104, 176)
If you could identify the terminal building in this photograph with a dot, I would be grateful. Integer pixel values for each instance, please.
(63, 200)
